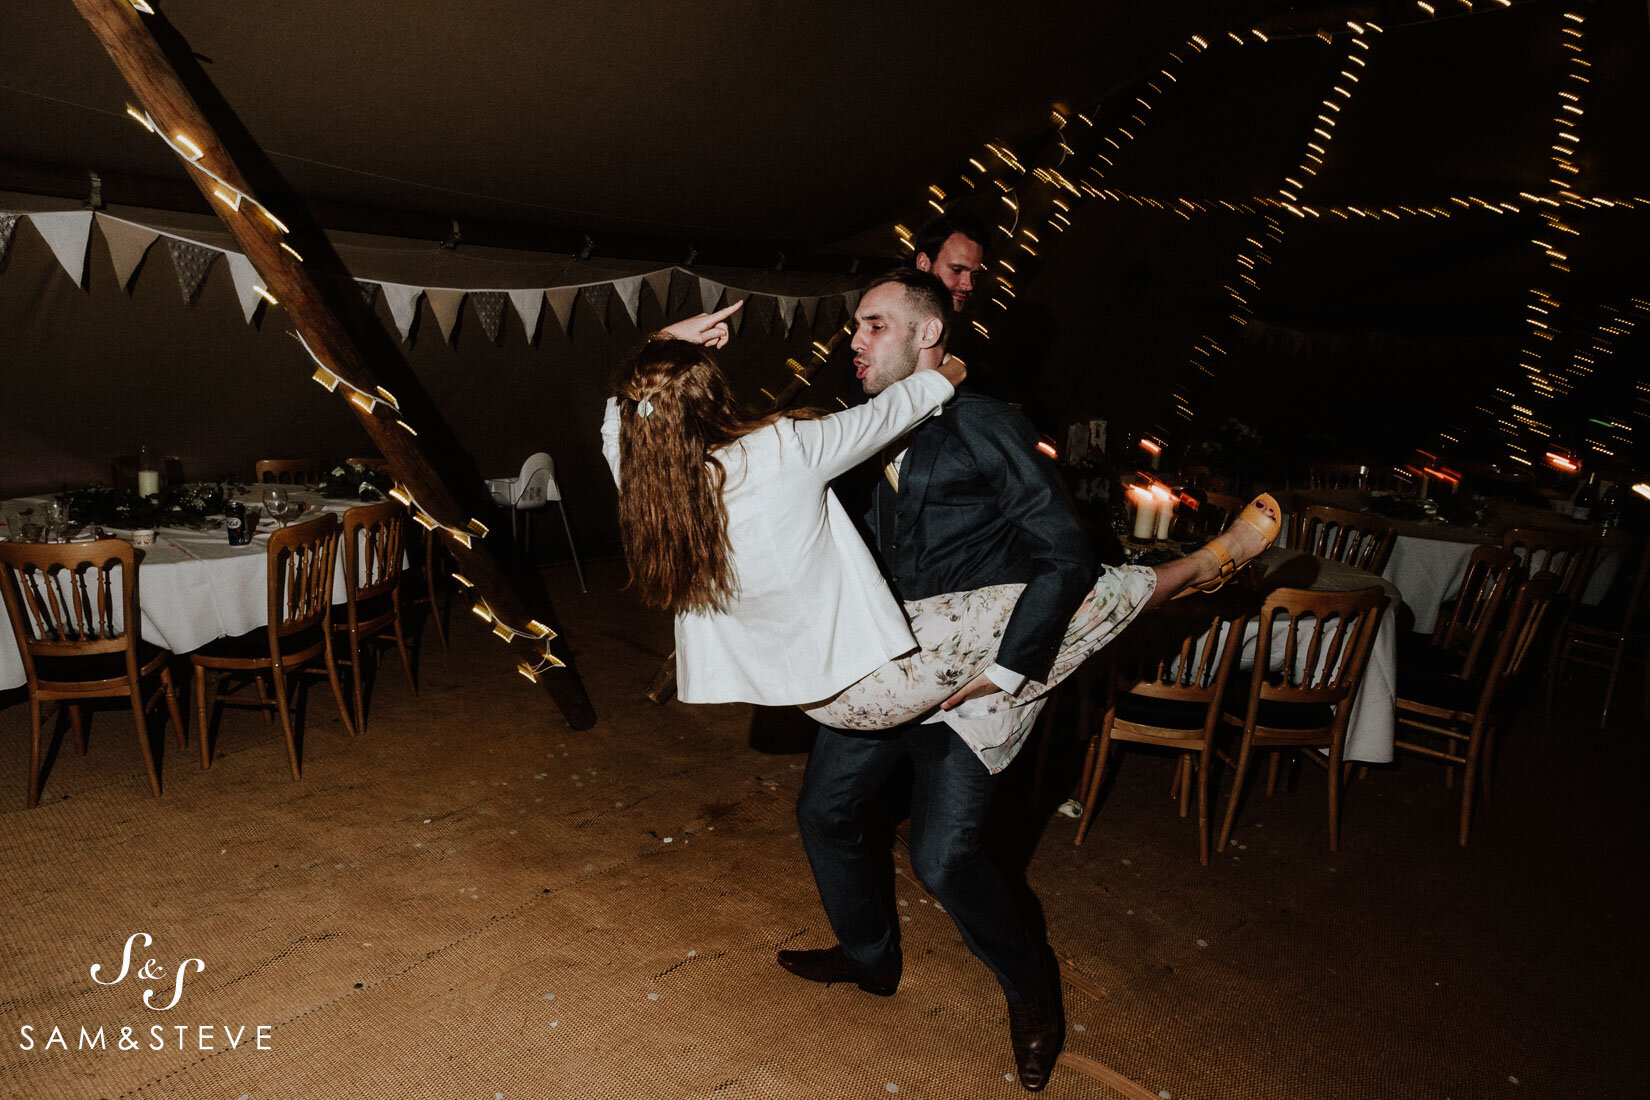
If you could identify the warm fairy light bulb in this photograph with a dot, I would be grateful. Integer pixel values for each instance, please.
(288, 248)
(266, 295)
(143, 6)
(142, 118)
(195, 150)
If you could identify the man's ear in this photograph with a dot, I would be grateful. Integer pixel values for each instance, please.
(924, 263)
(930, 332)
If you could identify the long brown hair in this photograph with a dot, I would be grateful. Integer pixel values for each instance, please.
(672, 519)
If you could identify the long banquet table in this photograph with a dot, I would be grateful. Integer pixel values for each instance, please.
(193, 585)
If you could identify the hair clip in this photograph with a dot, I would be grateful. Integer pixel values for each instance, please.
(644, 407)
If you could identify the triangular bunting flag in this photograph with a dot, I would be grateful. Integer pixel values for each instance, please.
(738, 319)
(246, 283)
(561, 304)
(128, 244)
(67, 234)
(850, 299)
(659, 283)
(445, 303)
(787, 311)
(8, 225)
(681, 285)
(529, 305)
(490, 308)
(403, 303)
(630, 294)
(369, 290)
(810, 307)
(598, 295)
(192, 262)
(710, 293)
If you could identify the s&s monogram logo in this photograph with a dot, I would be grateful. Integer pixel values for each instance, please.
(149, 972)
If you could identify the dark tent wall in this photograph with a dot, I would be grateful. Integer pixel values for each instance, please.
(1369, 335)
(90, 374)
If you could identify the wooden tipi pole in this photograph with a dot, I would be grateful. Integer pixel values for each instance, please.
(352, 357)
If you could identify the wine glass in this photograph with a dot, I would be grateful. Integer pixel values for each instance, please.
(277, 503)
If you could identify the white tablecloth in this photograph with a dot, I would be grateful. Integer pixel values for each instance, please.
(193, 586)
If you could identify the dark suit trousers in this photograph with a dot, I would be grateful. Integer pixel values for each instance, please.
(853, 869)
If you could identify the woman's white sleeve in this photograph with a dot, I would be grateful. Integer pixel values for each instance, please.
(839, 442)
(610, 437)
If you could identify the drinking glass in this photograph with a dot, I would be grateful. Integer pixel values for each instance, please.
(56, 521)
(277, 503)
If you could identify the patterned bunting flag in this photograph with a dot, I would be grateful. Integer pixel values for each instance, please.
(192, 263)
(490, 308)
(597, 295)
(369, 290)
(681, 285)
(8, 226)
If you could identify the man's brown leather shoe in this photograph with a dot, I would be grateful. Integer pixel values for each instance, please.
(830, 965)
(1037, 1031)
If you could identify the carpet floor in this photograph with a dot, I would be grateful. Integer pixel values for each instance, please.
(471, 900)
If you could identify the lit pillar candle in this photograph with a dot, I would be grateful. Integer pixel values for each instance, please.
(1145, 512)
(148, 483)
(1163, 500)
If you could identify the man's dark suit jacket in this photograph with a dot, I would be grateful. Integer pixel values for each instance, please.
(977, 505)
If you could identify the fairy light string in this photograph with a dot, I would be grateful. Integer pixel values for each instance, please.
(368, 402)
(1519, 407)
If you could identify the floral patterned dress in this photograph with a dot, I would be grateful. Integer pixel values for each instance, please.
(959, 632)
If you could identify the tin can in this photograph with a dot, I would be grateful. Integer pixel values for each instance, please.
(234, 522)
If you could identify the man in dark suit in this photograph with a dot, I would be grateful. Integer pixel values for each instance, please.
(969, 502)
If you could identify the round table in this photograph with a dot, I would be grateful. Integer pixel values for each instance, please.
(194, 586)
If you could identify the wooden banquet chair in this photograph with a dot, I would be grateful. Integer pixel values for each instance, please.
(372, 538)
(1164, 687)
(1354, 538)
(300, 572)
(1457, 714)
(1461, 639)
(290, 471)
(74, 611)
(1321, 649)
(1568, 555)
(422, 585)
(1599, 636)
